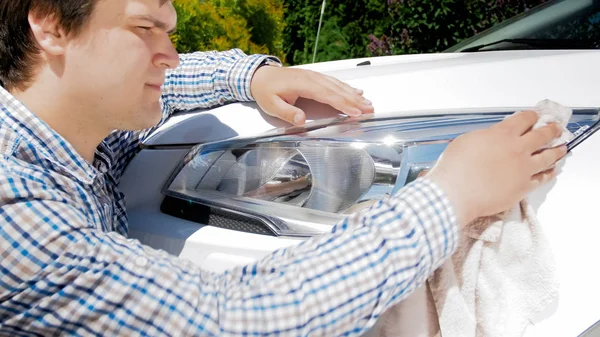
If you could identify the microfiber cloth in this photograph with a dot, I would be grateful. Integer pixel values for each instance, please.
(551, 112)
(502, 274)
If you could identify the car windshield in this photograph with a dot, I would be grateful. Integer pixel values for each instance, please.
(560, 24)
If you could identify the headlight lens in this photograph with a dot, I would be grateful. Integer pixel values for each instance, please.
(302, 184)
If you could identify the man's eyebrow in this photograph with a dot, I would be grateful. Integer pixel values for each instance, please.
(156, 22)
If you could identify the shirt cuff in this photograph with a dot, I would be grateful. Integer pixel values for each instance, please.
(240, 75)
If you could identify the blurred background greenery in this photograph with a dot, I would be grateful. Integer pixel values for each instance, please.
(350, 29)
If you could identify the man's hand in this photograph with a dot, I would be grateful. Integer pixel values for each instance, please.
(489, 171)
(277, 89)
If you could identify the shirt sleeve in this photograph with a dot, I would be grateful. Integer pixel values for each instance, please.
(202, 80)
(207, 79)
(59, 275)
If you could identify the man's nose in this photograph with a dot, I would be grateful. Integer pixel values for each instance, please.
(166, 56)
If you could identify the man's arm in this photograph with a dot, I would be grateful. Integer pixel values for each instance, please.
(207, 79)
(58, 274)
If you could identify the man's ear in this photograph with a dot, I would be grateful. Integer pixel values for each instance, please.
(51, 38)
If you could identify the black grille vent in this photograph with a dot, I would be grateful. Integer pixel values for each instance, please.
(202, 214)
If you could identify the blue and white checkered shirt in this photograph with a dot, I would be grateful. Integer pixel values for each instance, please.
(67, 268)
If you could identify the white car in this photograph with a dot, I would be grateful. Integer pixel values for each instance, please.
(226, 186)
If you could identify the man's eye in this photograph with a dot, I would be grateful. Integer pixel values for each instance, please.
(145, 28)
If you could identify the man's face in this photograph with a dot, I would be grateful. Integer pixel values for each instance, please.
(114, 69)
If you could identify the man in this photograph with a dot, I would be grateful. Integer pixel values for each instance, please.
(72, 71)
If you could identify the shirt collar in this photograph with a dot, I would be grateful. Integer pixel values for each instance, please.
(45, 140)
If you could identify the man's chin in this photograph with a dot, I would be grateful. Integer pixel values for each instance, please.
(148, 118)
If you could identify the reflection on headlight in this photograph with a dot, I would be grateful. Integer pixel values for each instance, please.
(292, 184)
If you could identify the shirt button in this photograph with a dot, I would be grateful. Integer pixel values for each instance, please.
(141, 261)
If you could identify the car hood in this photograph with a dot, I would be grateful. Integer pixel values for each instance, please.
(417, 85)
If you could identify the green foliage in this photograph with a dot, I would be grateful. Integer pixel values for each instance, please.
(333, 44)
(425, 26)
(255, 26)
(361, 28)
(346, 26)
(351, 29)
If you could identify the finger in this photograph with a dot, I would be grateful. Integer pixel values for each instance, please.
(543, 177)
(538, 138)
(362, 103)
(343, 85)
(328, 93)
(547, 158)
(285, 111)
(519, 123)
(352, 97)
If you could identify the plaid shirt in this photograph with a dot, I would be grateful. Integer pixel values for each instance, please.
(67, 268)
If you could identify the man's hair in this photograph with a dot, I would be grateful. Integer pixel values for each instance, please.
(18, 48)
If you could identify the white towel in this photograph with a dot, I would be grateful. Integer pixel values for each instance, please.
(500, 277)
(551, 112)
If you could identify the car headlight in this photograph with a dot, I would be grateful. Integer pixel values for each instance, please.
(302, 184)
